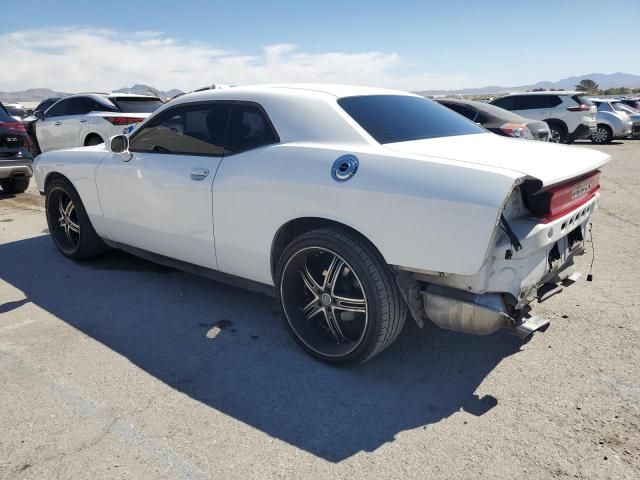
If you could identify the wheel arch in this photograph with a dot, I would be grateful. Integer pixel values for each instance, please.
(298, 226)
(558, 122)
(91, 135)
(55, 175)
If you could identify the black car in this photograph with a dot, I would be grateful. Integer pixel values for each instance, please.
(15, 157)
(498, 120)
(632, 102)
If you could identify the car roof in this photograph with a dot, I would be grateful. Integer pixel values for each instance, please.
(605, 100)
(493, 111)
(549, 92)
(300, 89)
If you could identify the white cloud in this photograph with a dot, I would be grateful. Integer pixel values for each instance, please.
(83, 58)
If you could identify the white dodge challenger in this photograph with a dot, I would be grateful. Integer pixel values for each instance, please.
(353, 206)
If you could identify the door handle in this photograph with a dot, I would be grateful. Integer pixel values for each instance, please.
(82, 121)
(58, 123)
(199, 173)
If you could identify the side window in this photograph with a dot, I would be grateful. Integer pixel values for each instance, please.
(553, 101)
(530, 102)
(508, 103)
(80, 106)
(470, 114)
(248, 128)
(190, 129)
(455, 107)
(58, 109)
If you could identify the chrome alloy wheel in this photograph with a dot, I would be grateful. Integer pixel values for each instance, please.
(555, 136)
(324, 301)
(601, 135)
(63, 220)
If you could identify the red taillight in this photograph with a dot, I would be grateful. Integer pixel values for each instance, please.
(122, 120)
(13, 126)
(570, 195)
(580, 108)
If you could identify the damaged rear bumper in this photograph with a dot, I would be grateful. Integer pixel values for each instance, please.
(499, 295)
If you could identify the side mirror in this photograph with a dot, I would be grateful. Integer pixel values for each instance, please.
(39, 114)
(119, 144)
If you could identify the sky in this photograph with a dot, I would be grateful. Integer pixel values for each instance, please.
(71, 45)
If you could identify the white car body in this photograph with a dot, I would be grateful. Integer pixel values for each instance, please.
(570, 110)
(431, 207)
(81, 127)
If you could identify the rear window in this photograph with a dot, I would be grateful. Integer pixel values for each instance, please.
(15, 111)
(399, 118)
(4, 116)
(137, 105)
(582, 100)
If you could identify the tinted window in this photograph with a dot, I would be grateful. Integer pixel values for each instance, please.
(82, 106)
(15, 111)
(191, 129)
(42, 106)
(248, 128)
(4, 116)
(58, 109)
(508, 103)
(399, 118)
(137, 104)
(530, 102)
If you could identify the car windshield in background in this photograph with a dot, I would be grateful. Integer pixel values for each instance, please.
(15, 111)
(399, 118)
(137, 105)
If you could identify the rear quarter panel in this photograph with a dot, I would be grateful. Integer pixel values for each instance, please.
(437, 216)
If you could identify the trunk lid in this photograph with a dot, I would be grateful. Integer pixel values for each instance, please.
(548, 162)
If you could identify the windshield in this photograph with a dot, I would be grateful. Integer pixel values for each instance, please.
(137, 104)
(402, 118)
(15, 111)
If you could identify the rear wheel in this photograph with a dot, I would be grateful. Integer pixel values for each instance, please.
(338, 297)
(603, 134)
(69, 223)
(558, 133)
(15, 184)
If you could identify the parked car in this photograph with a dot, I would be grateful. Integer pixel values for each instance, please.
(498, 120)
(632, 102)
(15, 158)
(89, 119)
(17, 111)
(570, 115)
(611, 122)
(634, 115)
(349, 204)
(30, 120)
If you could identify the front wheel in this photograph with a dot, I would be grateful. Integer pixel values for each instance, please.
(603, 134)
(338, 297)
(69, 223)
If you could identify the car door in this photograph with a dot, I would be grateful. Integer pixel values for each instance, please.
(158, 196)
(532, 106)
(49, 130)
(244, 190)
(74, 124)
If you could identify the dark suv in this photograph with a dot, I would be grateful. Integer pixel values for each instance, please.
(15, 157)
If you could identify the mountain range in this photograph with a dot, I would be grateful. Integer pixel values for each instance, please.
(604, 80)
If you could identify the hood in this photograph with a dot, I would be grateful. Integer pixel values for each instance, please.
(548, 162)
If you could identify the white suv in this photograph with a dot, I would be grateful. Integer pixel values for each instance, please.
(90, 119)
(570, 115)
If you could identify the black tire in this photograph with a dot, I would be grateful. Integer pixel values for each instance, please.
(93, 140)
(363, 272)
(80, 245)
(602, 135)
(15, 184)
(558, 133)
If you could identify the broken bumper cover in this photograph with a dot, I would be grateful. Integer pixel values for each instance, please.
(498, 296)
